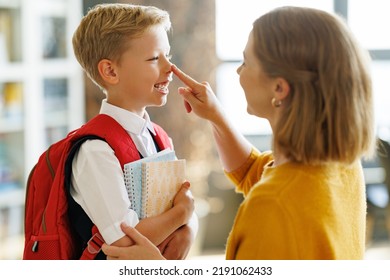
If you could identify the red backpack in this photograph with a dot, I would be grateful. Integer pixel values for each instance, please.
(49, 227)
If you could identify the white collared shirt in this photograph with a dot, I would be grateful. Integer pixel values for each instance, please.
(138, 128)
(97, 177)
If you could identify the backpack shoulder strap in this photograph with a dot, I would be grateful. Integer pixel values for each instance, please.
(82, 226)
(114, 134)
(162, 139)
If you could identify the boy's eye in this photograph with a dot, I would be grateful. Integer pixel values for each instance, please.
(168, 56)
(153, 58)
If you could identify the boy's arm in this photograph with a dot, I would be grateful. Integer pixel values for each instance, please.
(142, 249)
(159, 227)
(178, 244)
(156, 228)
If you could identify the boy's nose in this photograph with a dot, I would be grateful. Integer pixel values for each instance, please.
(168, 67)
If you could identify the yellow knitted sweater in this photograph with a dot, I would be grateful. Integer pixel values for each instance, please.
(296, 211)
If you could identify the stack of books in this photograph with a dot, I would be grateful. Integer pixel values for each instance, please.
(153, 182)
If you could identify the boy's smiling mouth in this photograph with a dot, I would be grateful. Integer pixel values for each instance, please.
(162, 87)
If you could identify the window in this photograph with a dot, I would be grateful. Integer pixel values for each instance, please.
(370, 21)
(234, 21)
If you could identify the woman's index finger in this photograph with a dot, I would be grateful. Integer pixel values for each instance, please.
(186, 79)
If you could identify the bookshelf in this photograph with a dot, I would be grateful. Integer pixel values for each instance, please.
(41, 97)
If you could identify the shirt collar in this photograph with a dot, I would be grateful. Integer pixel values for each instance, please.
(131, 122)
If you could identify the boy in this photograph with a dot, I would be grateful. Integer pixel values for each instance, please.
(124, 49)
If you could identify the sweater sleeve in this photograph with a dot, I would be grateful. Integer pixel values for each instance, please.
(247, 175)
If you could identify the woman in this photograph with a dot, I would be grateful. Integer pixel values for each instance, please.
(304, 72)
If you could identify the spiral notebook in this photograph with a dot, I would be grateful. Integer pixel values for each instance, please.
(135, 184)
(161, 180)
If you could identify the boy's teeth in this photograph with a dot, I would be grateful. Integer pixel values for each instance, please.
(160, 86)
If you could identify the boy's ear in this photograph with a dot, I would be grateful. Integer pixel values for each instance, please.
(282, 89)
(107, 71)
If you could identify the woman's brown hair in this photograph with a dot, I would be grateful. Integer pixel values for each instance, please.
(328, 115)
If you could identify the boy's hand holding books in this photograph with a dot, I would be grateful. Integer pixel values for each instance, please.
(184, 201)
(153, 182)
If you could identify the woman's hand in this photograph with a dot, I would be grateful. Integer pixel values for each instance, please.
(198, 97)
(142, 249)
(233, 148)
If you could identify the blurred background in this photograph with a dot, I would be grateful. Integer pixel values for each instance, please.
(44, 94)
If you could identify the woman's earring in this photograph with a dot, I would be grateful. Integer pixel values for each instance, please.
(276, 103)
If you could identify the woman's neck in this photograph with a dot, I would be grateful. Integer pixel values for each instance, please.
(279, 157)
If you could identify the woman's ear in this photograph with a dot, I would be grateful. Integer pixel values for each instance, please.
(108, 72)
(282, 89)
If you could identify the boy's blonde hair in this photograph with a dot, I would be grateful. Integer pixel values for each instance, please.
(328, 115)
(104, 33)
